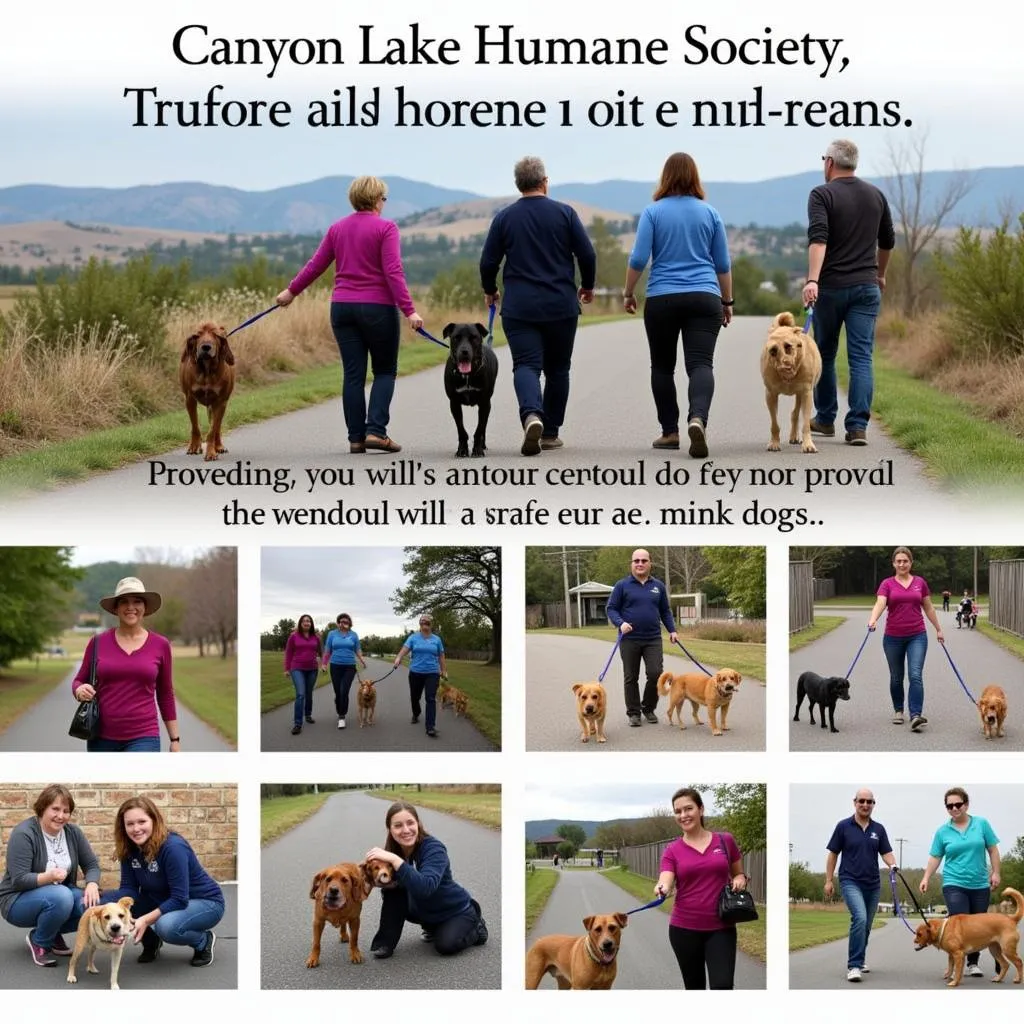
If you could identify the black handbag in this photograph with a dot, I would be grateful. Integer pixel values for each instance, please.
(734, 907)
(85, 722)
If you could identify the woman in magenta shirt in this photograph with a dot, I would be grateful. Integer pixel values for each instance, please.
(904, 597)
(697, 866)
(302, 652)
(133, 676)
(369, 289)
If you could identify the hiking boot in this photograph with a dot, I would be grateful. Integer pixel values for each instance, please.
(60, 947)
(634, 720)
(857, 438)
(897, 718)
(825, 429)
(380, 444)
(41, 957)
(548, 444)
(204, 957)
(532, 427)
(150, 949)
(667, 442)
(698, 439)
(917, 723)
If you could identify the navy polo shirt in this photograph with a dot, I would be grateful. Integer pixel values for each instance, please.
(643, 605)
(859, 850)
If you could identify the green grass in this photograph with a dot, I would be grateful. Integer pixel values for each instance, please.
(1009, 642)
(275, 687)
(540, 884)
(283, 813)
(751, 936)
(822, 624)
(208, 687)
(481, 808)
(813, 927)
(850, 601)
(747, 659)
(24, 683)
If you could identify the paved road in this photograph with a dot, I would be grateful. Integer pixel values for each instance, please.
(646, 960)
(864, 721)
(344, 829)
(554, 663)
(391, 730)
(893, 961)
(610, 424)
(171, 970)
(44, 726)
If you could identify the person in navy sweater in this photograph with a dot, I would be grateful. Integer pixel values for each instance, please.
(176, 901)
(538, 239)
(424, 891)
(638, 607)
(341, 649)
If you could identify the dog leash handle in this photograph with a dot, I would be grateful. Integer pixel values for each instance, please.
(491, 310)
(809, 320)
(647, 906)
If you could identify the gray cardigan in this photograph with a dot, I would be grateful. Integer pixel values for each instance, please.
(26, 858)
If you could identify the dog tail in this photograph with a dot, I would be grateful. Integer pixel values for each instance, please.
(1019, 900)
(784, 319)
(664, 683)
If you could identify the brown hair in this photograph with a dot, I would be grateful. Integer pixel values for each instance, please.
(903, 551)
(956, 791)
(343, 615)
(55, 791)
(123, 846)
(679, 177)
(689, 791)
(365, 192)
(390, 844)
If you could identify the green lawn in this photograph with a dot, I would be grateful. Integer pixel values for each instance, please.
(747, 659)
(1009, 642)
(540, 884)
(275, 687)
(483, 808)
(208, 687)
(25, 683)
(848, 601)
(813, 927)
(283, 813)
(822, 624)
(751, 936)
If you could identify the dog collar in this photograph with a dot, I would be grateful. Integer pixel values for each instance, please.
(592, 953)
(938, 941)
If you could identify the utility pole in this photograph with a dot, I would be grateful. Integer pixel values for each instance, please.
(565, 582)
(668, 580)
(901, 842)
(974, 591)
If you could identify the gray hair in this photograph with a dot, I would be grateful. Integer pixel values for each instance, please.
(530, 174)
(844, 154)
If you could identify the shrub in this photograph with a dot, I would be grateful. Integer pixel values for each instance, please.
(457, 288)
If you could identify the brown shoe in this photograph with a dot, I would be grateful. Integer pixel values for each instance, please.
(666, 441)
(825, 429)
(380, 444)
(547, 444)
(356, 447)
(858, 438)
(698, 439)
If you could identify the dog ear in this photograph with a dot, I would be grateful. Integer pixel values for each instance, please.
(317, 879)
(229, 356)
(576, 687)
(189, 351)
(621, 920)
(367, 874)
(127, 902)
(481, 329)
(588, 921)
(448, 328)
(359, 890)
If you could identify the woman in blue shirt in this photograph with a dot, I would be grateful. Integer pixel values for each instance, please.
(689, 291)
(341, 649)
(424, 892)
(426, 669)
(176, 901)
(967, 881)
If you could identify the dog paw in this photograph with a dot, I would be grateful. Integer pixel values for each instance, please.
(462, 452)
(478, 453)
(355, 956)
(313, 961)
(72, 980)
(210, 457)
(774, 446)
(193, 450)
(584, 739)
(602, 739)
(114, 987)
(808, 448)
(93, 969)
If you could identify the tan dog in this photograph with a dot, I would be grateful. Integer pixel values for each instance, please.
(338, 893)
(970, 933)
(444, 695)
(378, 874)
(591, 707)
(578, 961)
(106, 926)
(790, 365)
(992, 708)
(207, 377)
(366, 700)
(460, 701)
(714, 692)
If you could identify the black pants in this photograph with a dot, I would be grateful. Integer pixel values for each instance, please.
(698, 316)
(451, 936)
(697, 952)
(424, 685)
(632, 652)
(341, 680)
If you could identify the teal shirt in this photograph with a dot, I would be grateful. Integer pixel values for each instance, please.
(965, 852)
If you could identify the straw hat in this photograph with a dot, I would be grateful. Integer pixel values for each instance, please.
(131, 586)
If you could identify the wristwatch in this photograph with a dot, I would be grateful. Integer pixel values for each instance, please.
(174, 739)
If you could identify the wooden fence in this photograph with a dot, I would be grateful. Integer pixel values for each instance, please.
(646, 860)
(1006, 595)
(801, 596)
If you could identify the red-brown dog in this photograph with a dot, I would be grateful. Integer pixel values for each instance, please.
(207, 377)
(338, 893)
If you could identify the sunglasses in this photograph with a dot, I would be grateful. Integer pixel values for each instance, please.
(640, 561)
(860, 801)
(955, 807)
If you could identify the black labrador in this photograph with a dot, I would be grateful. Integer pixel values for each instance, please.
(469, 378)
(822, 690)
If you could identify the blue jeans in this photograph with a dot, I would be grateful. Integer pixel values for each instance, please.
(366, 330)
(304, 681)
(856, 308)
(424, 684)
(862, 904)
(141, 745)
(49, 910)
(966, 901)
(188, 927)
(909, 649)
(536, 347)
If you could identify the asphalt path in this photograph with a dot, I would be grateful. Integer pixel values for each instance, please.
(344, 829)
(44, 726)
(171, 970)
(610, 424)
(893, 961)
(646, 960)
(554, 663)
(392, 729)
(864, 721)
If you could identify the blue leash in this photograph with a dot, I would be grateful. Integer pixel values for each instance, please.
(253, 319)
(604, 671)
(857, 656)
(693, 659)
(957, 674)
(437, 341)
(809, 320)
(896, 900)
(647, 906)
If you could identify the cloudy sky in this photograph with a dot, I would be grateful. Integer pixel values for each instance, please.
(91, 554)
(587, 802)
(323, 582)
(911, 812)
(67, 66)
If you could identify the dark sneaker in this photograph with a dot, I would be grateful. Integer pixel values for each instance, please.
(634, 720)
(532, 428)
(204, 957)
(296, 729)
(310, 720)
(426, 936)
(432, 733)
(698, 439)
(651, 717)
(414, 719)
(356, 447)
(40, 957)
(547, 444)
(60, 947)
(667, 442)
(481, 932)
(382, 952)
(858, 438)
(917, 723)
(825, 429)
(150, 948)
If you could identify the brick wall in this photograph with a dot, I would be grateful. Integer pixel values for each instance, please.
(205, 814)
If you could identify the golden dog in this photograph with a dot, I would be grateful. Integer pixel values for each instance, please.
(578, 961)
(207, 377)
(366, 700)
(714, 692)
(992, 708)
(969, 933)
(338, 893)
(591, 707)
(444, 695)
(106, 926)
(790, 365)
(377, 874)
(460, 701)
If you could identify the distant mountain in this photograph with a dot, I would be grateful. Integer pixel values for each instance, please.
(547, 827)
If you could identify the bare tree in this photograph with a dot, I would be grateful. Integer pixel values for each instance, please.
(212, 604)
(918, 213)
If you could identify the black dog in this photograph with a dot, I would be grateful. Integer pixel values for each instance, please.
(823, 690)
(469, 378)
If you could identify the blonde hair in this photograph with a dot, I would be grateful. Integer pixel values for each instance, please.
(365, 192)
